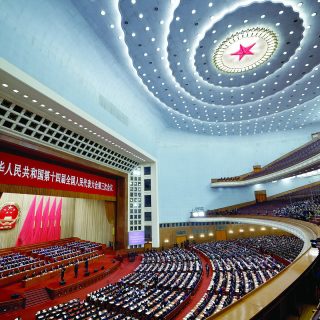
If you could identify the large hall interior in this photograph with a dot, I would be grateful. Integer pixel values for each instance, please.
(159, 159)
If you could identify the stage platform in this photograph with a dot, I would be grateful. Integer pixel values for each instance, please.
(18, 296)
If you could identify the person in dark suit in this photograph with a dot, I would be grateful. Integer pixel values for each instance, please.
(86, 264)
(76, 269)
(207, 269)
(63, 270)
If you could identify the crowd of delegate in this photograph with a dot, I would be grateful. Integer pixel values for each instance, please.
(165, 279)
(76, 309)
(286, 247)
(176, 268)
(147, 293)
(45, 260)
(296, 209)
(14, 263)
(302, 210)
(237, 270)
(67, 251)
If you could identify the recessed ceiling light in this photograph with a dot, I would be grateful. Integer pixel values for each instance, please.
(133, 34)
(133, 1)
(25, 96)
(193, 11)
(140, 15)
(102, 12)
(281, 12)
(161, 22)
(313, 14)
(15, 90)
(5, 85)
(147, 28)
(210, 4)
(112, 26)
(177, 18)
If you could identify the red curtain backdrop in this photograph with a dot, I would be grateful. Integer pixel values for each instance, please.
(44, 224)
(51, 233)
(37, 223)
(25, 234)
(58, 221)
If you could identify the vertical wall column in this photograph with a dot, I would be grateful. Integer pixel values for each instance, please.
(154, 206)
(121, 216)
(143, 200)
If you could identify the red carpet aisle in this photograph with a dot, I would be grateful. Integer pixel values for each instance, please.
(29, 313)
(200, 291)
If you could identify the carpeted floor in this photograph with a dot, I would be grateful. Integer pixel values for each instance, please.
(29, 313)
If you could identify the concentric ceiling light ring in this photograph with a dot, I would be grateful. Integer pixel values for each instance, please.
(267, 38)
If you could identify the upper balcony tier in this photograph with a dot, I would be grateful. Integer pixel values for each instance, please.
(302, 160)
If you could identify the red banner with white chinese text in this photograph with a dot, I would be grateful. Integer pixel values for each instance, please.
(17, 170)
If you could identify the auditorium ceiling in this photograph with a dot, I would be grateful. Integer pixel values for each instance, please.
(218, 67)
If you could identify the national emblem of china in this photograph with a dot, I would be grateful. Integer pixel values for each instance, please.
(9, 215)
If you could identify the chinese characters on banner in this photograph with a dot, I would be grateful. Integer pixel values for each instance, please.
(17, 170)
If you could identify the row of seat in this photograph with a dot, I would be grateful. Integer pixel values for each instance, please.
(287, 247)
(76, 309)
(237, 268)
(146, 295)
(13, 261)
(16, 266)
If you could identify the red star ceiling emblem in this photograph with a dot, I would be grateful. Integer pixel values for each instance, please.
(243, 51)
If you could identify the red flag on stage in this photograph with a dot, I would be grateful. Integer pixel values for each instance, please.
(27, 228)
(51, 233)
(58, 221)
(37, 223)
(45, 218)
